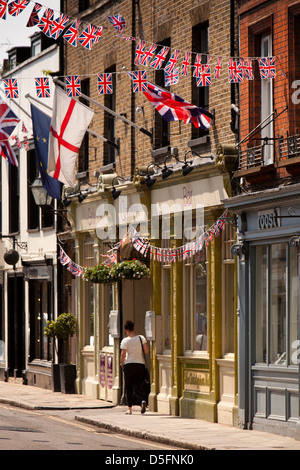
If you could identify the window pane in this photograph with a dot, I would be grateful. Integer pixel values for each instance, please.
(293, 296)
(278, 304)
(229, 308)
(167, 307)
(261, 303)
(201, 307)
(187, 307)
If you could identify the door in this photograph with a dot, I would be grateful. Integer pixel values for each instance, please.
(16, 324)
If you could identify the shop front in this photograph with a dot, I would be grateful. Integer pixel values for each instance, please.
(102, 309)
(268, 258)
(193, 296)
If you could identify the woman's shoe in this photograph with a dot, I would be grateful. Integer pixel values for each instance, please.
(128, 412)
(143, 407)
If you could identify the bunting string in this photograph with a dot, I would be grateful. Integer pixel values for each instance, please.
(143, 246)
(76, 32)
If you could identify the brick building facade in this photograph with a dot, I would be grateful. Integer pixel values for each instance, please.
(268, 207)
(192, 298)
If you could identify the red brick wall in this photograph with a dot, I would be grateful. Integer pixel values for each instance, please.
(257, 16)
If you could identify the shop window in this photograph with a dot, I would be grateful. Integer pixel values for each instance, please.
(195, 303)
(228, 288)
(88, 294)
(40, 309)
(110, 121)
(166, 296)
(200, 95)
(276, 303)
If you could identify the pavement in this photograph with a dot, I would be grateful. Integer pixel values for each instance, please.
(186, 433)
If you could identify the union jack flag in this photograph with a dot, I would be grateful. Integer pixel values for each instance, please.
(73, 87)
(71, 36)
(98, 34)
(46, 21)
(139, 81)
(247, 68)
(105, 85)
(42, 87)
(58, 25)
(205, 77)
(174, 108)
(34, 17)
(87, 37)
(172, 61)
(15, 8)
(3, 5)
(197, 65)
(24, 127)
(8, 122)
(218, 68)
(140, 50)
(148, 54)
(11, 88)
(63, 257)
(118, 22)
(235, 71)
(75, 269)
(127, 38)
(185, 63)
(160, 58)
(267, 67)
(172, 77)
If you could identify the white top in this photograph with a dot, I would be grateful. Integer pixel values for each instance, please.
(134, 349)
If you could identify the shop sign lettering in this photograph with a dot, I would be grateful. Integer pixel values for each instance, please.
(268, 219)
(196, 380)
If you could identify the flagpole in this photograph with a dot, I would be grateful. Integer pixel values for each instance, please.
(110, 111)
(17, 104)
(94, 134)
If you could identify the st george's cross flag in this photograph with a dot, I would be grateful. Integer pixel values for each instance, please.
(70, 120)
(174, 108)
(8, 122)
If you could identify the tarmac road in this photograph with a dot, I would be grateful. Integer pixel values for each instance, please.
(22, 429)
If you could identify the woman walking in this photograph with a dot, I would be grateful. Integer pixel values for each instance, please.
(133, 363)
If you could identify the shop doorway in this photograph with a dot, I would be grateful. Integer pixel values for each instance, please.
(16, 324)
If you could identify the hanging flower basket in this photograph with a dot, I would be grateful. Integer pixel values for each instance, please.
(133, 270)
(100, 274)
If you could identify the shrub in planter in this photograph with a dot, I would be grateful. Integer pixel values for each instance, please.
(133, 270)
(100, 273)
(63, 329)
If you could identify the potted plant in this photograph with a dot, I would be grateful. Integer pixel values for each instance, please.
(100, 274)
(63, 329)
(133, 269)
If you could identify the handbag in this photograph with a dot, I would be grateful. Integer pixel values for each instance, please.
(147, 374)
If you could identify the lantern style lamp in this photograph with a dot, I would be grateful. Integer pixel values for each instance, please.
(40, 195)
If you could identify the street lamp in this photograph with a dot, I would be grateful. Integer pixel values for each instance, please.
(42, 198)
(40, 195)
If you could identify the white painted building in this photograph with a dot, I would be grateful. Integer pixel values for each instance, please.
(28, 288)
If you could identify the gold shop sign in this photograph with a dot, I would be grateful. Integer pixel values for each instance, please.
(196, 380)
